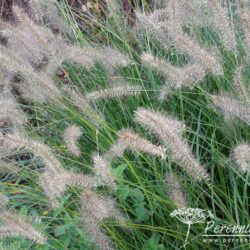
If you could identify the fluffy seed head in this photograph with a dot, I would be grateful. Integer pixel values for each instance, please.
(170, 135)
(54, 185)
(244, 14)
(102, 170)
(70, 136)
(150, 23)
(7, 167)
(121, 90)
(222, 23)
(175, 191)
(83, 104)
(87, 56)
(34, 81)
(96, 233)
(4, 200)
(127, 139)
(100, 207)
(240, 86)
(14, 226)
(241, 156)
(232, 107)
(38, 148)
(177, 77)
(169, 33)
(11, 116)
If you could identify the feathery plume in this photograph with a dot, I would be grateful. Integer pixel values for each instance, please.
(198, 55)
(127, 139)
(87, 56)
(95, 209)
(194, 12)
(244, 14)
(175, 12)
(7, 168)
(34, 80)
(40, 31)
(230, 106)
(82, 103)
(56, 48)
(241, 156)
(181, 12)
(121, 90)
(175, 191)
(70, 137)
(102, 170)
(184, 12)
(164, 127)
(19, 40)
(54, 184)
(14, 226)
(11, 116)
(222, 23)
(41, 34)
(156, 23)
(38, 148)
(177, 76)
(34, 52)
(5, 149)
(169, 33)
(55, 179)
(4, 200)
(36, 10)
(158, 32)
(240, 85)
(99, 207)
(97, 234)
(46, 13)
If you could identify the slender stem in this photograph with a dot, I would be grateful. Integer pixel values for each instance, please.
(189, 226)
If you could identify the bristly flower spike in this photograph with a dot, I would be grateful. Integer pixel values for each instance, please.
(171, 137)
(175, 191)
(83, 104)
(120, 90)
(14, 226)
(241, 156)
(232, 107)
(128, 139)
(223, 24)
(71, 135)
